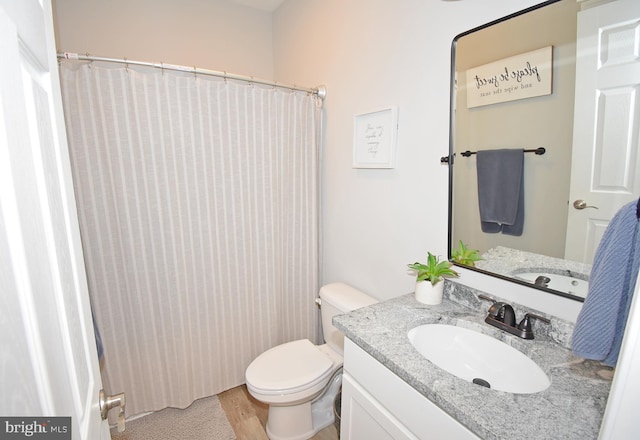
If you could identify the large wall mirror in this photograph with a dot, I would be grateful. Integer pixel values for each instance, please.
(529, 82)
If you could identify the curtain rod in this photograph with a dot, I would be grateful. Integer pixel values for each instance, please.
(320, 91)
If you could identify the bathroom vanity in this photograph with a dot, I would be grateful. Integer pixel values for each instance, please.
(392, 391)
(377, 404)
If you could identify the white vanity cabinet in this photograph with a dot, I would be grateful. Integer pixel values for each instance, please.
(377, 404)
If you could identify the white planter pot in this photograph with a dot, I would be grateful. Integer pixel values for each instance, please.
(426, 293)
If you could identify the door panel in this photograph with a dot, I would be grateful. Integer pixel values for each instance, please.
(48, 349)
(605, 163)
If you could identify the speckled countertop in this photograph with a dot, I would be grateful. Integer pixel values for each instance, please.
(507, 261)
(571, 408)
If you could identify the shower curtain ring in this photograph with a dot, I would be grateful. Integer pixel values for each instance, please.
(90, 64)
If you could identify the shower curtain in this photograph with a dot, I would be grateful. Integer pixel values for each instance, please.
(197, 202)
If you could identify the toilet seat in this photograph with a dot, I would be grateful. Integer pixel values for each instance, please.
(289, 368)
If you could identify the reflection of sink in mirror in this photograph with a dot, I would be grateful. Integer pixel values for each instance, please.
(478, 358)
(563, 283)
(513, 262)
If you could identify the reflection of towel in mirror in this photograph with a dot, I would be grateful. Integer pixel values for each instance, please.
(99, 345)
(600, 325)
(501, 190)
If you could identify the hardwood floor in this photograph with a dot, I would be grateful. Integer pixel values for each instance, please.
(248, 417)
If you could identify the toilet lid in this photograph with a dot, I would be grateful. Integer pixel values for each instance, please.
(289, 367)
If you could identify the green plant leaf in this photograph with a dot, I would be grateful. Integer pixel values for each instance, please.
(464, 255)
(434, 270)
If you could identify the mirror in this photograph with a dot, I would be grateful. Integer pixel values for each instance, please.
(493, 107)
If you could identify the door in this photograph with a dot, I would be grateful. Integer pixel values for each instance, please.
(605, 170)
(47, 345)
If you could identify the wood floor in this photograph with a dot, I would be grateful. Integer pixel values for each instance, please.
(248, 417)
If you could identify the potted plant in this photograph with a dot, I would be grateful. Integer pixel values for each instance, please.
(466, 256)
(429, 285)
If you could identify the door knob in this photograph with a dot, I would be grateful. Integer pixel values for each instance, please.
(107, 403)
(581, 204)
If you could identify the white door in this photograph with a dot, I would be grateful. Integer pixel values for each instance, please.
(49, 364)
(605, 170)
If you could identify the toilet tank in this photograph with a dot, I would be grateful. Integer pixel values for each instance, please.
(336, 299)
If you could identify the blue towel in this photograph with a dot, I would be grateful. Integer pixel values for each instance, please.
(501, 190)
(600, 325)
(99, 345)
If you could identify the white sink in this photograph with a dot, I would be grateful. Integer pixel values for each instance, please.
(477, 357)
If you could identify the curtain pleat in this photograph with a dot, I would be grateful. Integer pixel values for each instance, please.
(197, 201)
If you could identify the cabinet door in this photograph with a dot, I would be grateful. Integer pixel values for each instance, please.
(377, 404)
(363, 418)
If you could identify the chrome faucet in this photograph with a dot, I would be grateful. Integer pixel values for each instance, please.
(502, 316)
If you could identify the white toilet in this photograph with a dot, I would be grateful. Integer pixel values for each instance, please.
(298, 380)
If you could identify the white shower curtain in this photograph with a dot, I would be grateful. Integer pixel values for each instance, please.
(197, 201)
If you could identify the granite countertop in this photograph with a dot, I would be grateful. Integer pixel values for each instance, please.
(571, 408)
(510, 262)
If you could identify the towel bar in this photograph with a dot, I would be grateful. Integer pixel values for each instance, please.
(538, 151)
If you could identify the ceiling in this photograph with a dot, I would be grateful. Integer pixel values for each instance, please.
(265, 5)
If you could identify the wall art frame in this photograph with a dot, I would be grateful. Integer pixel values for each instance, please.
(375, 137)
(522, 76)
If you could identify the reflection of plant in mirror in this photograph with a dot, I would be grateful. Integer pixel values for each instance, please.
(466, 256)
(434, 271)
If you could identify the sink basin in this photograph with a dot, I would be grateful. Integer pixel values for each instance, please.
(562, 283)
(478, 358)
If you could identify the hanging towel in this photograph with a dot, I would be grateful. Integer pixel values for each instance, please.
(600, 325)
(99, 345)
(501, 190)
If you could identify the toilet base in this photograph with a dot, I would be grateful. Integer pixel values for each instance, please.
(290, 422)
(303, 421)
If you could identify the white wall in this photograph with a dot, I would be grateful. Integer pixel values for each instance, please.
(210, 34)
(372, 54)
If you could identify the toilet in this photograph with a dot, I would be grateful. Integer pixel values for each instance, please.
(299, 380)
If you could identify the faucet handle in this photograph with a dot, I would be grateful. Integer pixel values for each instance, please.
(495, 305)
(487, 298)
(538, 318)
(525, 324)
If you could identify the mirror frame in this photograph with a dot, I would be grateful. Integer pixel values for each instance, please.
(450, 159)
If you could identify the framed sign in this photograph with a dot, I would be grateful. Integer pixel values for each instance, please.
(517, 77)
(374, 139)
